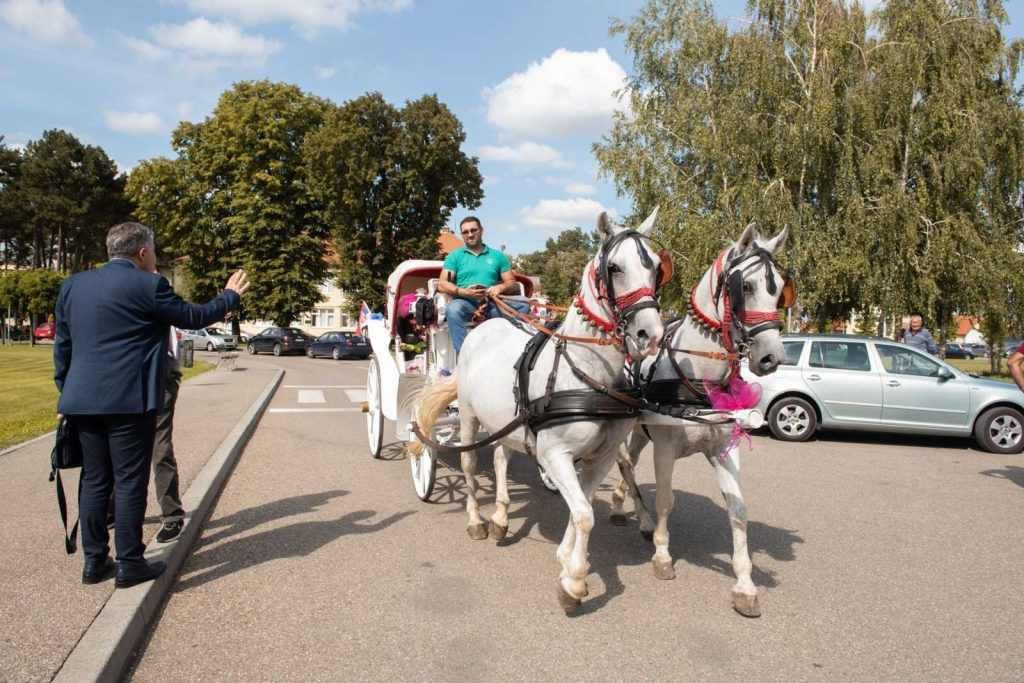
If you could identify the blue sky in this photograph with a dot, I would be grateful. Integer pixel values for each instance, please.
(122, 74)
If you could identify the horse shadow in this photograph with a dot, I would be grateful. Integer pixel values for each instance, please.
(700, 535)
(1011, 473)
(299, 539)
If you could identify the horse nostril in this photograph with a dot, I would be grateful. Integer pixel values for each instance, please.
(768, 361)
(642, 334)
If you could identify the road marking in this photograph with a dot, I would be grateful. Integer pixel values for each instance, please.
(356, 395)
(322, 386)
(315, 410)
(311, 396)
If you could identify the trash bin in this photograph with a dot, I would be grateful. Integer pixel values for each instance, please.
(187, 353)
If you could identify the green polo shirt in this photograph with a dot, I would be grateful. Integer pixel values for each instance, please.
(471, 269)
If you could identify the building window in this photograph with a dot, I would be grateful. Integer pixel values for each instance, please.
(324, 317)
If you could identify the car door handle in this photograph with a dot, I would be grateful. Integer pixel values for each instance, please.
(893, 383)
(814, 378)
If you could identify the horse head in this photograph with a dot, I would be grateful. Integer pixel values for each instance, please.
(624, 280)
(750, 290)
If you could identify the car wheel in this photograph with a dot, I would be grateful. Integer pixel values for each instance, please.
(209, 346)
(251, 348)
(792, 419)
(277, 349)
(335, 353)
(1000, 430)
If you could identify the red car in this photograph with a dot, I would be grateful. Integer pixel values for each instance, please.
(45, 331)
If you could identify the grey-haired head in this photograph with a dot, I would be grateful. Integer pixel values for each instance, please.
(133, 241)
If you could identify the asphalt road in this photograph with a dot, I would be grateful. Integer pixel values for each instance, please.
(878, 558)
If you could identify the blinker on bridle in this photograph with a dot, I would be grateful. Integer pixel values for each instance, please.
(736, 319)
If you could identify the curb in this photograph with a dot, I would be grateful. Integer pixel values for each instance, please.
(106, 648)
(11, 449)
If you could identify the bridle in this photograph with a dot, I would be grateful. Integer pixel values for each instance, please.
(738, 326)
(622, 308)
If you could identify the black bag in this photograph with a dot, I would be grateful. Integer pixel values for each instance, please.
(426, 312)
(66, 454)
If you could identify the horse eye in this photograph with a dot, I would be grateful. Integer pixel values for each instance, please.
(748, 288)
(612, 268)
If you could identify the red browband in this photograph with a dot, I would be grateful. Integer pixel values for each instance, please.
(621, 302)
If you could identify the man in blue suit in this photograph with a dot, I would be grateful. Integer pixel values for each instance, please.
(109, 355)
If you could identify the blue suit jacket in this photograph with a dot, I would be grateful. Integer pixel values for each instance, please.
(111, 339)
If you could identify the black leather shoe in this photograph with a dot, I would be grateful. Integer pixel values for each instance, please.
(169, 531)
(96, 571)
(131, 575)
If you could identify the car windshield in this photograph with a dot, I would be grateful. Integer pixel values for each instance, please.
(219, 333)
(294, 330)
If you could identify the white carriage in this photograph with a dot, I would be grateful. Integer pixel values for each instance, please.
(399, 368)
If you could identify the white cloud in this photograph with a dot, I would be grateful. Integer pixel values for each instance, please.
(580, 188)
(568, 92)
(203, 38)
(134, 122)
(146, 49)
(46, 20)
(306, 15)
(555, 215)
(324, 72)
(526, 153)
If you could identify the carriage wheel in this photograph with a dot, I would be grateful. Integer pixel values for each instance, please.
(424, 471)
(375, 411)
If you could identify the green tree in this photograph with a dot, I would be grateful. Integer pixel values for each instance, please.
(13, 225)
(388, 180)
(560, 263)
(31, 293)
(68, 195)
(236, 197)
(891, 144)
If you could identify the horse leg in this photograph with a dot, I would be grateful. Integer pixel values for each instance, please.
(499, 521)
(629, 455)
(476, 528)
(664, 463)
(727, 472)
(572, 552)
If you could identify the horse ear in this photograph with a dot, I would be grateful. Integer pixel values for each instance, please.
(604, 226)
(779, 241)
(747, 239)
(648, 224)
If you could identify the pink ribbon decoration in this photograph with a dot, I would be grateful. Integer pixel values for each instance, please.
(739, 395)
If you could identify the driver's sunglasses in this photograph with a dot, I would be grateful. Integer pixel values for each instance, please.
(470, 231)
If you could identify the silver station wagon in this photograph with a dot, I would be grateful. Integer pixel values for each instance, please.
(873, 384)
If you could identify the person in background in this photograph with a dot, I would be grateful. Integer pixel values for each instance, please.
(918, 336)
(109, 356)
(470, 274)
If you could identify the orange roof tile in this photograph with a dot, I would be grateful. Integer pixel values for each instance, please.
(448, 242)
(964, 324)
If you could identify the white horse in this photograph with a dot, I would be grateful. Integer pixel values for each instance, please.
(616, 305)
(712, 358)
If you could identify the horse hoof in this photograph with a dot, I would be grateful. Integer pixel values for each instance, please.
(618, 519)
(663, 570)
(569, 603)
(497, 532)
(648, 535)
(747, 605)
(477, 532)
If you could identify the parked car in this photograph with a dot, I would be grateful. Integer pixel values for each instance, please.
(279, 340)
(1011, 345)
(339, 345)
(242, 338)
(873, 384)
(45, 331)
(979, 350)
(210, 339)
(958, 351)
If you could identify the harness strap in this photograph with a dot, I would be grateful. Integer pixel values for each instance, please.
(500, 434)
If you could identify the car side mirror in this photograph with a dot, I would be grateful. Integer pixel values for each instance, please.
(945, 374)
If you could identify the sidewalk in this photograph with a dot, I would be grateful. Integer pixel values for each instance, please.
(44, 608)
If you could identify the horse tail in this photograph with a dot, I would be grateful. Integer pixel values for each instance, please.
(432, 402)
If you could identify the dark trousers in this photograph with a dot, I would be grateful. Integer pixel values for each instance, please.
(165, 467)
(116, 454)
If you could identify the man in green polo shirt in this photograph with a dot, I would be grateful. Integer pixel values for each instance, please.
(470, 273)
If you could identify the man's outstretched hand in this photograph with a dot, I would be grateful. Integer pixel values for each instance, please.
(238, 282)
